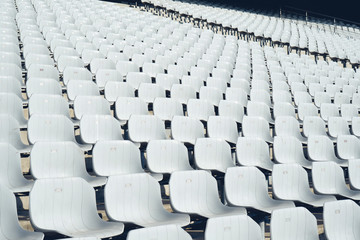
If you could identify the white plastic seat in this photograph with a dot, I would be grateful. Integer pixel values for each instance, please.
(76, 73)
(313, 125)
(237, 95)
(192, 81)
(136, 78)
(288, 149)
(34, 58)
(10, 171)
(285, 222)
(11, 229)
(101, 63)
(213, 154)
(186, 129)
(12, 105)
(328, 178)
(281, 96)
(105, 75)
(232, 227)
(10, 85)
(94, 128)
(321, 97)
(348, 147)
(166, 80)
(247, 187)
(301, 97)
(340, 220)
(307, 109)
(167, 156)
(231, 109)
(10, 133)
(124, 67)
(185, 185)
(328, 110)
(124, 193)
(143, 128)
(116, 157)
(60, 160)
(200, 109)
(286, 176)
(222, 128)
(48, 104)
(113, 90)
(211, 94)
(11, 70)
(177, 70)
(43, 71)
(260, 96)
(43, 86)
(354, 176)
(283, 109)
(338, 126)
(87, 55)
(152, 69)
(126, 106)
(64, 51)
(218, 83)
(68, 199)
(91, 105)
(259, 109)
(341, 98)
(348, 111)
(256, 127)
(288, 126)
(52, 128)
(321, 148)
(253, 152)
(149, 92)
(182, 93)
(77, 88)
(167, 108)
(166, 232)
(69, 61)
(355, 126)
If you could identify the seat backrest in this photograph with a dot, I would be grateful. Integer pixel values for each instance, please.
(355, 126)
(43, 71)
(256, 127)
(124, 67)
(148, 92)
(167, 108)
(113, 90)
(191, 190)
(143, 128)
(76, 73)
(105, 75)
(320, 148)
(301, 97)
(213, 154)
(338, 126)
(81, 88)
(42, 86)
(138, 193)
(186, 129)
(258, 109)
(101, 63)
(289, 222)
(237, 95)
(200, 109)
(307, 109)
(61, 194)
(253, 152)
(348, 111)
(283, 109)
(211, 94)
(239, 227)
(134, 79)
(285, 177)
(57, 160)
(94, 128)
(45, 127)
(182, 93)
(48, 104)
(348, 147)
(321, 97)
(167, 156)
(340, 219)
(222, 128)
(288, 149)
(10, 85)
(91, 105)
(115, 157)
(314, 125)
(328, 110)
(12, 105)
(231, 109)
(327, 177)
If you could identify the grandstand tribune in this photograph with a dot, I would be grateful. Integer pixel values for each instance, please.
(173, 120)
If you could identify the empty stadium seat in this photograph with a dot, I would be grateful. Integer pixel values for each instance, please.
(166, 232)
(143, 128)
(62, 193)
(186, 129)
